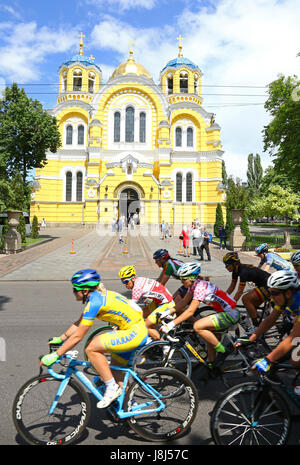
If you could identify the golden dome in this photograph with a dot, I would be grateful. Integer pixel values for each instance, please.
(131, 67)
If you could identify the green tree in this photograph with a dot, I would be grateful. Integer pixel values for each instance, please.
(254, 173)
(282, 136)
(224, 175)
(34, 228)
(229, 223)
(237, 195)
(274, 177)
(219, 220)
(26, 133)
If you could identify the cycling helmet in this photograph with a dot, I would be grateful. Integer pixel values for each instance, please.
(189, 270)
(295, 258)
(161, 253)
(230, 258)
(127, 272)
(263, 248)
(85, 279)
(283, 279)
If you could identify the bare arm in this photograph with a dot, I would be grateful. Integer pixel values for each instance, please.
(73, 339)
(286, 345)
(71, 330)
(231, 287)
(188, 313)
(265, 325)
(240, 291)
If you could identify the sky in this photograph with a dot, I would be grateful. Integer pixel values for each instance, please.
(240, 47)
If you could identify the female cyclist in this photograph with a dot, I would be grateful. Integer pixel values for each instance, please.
(156, 297)
(208, 293)
(122, 344)
(285, 291)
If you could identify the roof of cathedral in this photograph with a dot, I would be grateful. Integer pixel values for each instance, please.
(180, 61)
(83, 60)
(131, 67)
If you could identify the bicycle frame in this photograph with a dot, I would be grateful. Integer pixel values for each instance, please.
(135, 410)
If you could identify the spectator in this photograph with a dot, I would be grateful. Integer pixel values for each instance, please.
(197, 241)
(163, 229)
(43, 224)
(222, 237)
(186, 241)
(205, 245)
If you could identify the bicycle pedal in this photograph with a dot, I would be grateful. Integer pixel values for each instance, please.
(113, 414)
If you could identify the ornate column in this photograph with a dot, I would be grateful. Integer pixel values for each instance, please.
(12, 239)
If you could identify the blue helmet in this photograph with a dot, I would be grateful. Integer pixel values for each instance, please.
(263, 248)
(85, 279)
(161, 253)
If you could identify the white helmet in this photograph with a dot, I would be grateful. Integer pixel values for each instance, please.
(189, 270)
(283, 279)
(295, 258)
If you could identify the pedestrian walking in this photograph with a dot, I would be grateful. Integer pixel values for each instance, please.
(185, 233)
(205, 245)
(197, 239)
(222, 236)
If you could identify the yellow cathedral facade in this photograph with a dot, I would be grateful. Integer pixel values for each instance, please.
(131, 145)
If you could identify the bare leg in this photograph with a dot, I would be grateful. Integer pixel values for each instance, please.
(251, 302)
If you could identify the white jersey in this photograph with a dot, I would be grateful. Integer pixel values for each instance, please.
(150, 289)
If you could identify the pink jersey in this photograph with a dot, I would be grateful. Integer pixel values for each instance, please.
(150, 289)
(210, 294)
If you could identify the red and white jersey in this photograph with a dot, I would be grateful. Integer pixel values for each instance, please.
(211, 295)
(150, 289)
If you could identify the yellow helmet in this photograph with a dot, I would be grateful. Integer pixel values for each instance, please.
(127, 272)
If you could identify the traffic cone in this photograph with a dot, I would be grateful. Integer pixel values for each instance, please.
(179, 251)
(125, 247)
(72, 251)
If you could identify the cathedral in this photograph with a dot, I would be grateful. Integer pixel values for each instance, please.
(129, 146)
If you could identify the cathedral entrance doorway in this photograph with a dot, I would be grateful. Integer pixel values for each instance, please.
(129, 204)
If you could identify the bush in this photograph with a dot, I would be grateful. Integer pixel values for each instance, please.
(34, 228)
(219, 220)
(4, 231)
(245, 227)
(21, 228)
(229, 223)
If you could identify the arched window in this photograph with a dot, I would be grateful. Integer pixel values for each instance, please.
(79, 187)
(129, 124)
(80, 134)
(69, 135)
(170, 84)
(184, 83)
(189, 137)
(117, 119)
(77, 80)
(178, 187)
(91, 82)
(68, 186)
(189, 187)
(178, 133)
(142, 127)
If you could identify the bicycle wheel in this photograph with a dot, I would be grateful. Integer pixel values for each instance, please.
(250, 414)
(179, 395)
(162, 354)
(31, 411)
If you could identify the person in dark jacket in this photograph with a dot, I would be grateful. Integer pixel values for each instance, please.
(222, 236)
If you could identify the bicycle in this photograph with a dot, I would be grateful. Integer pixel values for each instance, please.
(54, 408)
(254, 412)
(183, 346)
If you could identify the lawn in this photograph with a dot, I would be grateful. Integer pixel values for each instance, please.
(29, 241)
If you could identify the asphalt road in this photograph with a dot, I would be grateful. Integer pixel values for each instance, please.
(31, 313)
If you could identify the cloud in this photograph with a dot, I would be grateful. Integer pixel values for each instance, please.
(25, 47)
(123, 5)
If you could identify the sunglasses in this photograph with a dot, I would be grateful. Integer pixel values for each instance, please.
(126, 281)
(275, 293)
(76, 290)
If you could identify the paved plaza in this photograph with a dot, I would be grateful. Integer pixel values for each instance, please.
(67, 250)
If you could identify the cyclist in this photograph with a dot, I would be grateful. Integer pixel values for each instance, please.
(208, 293)
(107, 306)
(170, 268)
(271, 259)
(295, 260)
(285, 291)
(156, 297)
(247, 273)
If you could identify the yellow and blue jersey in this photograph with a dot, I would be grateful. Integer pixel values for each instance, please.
(111, 307)
(294, 309)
